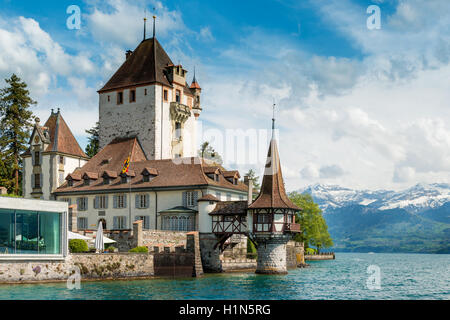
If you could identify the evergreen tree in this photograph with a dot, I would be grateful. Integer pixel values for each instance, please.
(314, 227)
(252, 175)
(207, 152)
(16, 122)
(93, 146)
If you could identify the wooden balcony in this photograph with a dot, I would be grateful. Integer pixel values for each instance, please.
(292, 227)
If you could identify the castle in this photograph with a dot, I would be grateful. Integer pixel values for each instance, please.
(148, 118)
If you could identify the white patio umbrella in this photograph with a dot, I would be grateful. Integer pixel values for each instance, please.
(73, 235)
(106, 240)
(99, 244)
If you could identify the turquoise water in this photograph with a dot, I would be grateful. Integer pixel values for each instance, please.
(403, 276)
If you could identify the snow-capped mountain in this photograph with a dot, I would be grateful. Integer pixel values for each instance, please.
(415, 199)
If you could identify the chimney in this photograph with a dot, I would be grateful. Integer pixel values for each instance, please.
(128, 54)
(249, 183)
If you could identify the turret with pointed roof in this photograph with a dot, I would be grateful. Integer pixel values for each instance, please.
(53, 153)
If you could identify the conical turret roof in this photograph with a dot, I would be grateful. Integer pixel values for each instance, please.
(273, 193)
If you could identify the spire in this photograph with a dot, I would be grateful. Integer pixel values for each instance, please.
(273, 193)
(273, 121)
(194, 84)
(154, 26)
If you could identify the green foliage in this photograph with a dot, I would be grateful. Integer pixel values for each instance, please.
(207, 152)
(93, 146)
(15, 126)
(314, 227)
(310, 251)
(139, 249)
(250, 247)
(252, 176)
(78, 246)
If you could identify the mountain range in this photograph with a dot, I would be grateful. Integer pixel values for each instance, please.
(416, 219)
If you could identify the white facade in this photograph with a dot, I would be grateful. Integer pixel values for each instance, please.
(159, 201)
(149, 118)
(44, 171)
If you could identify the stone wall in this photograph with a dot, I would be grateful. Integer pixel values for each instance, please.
(292, 249)
(91, 266)
(211, 258)
(152, 238)
(272, 255)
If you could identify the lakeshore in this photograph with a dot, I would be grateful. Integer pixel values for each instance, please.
(403, 276)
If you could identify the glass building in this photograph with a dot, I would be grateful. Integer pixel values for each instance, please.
(32, 229)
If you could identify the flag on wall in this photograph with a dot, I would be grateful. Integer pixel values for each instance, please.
(126, 164)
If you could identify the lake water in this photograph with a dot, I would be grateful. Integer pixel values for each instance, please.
(403, 276)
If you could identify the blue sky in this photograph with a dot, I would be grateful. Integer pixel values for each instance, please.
(357, 107)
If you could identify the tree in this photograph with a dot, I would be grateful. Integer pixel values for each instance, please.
(16, 122)
(94, 142)
(314, 227)
(252, 175)
(206, 151)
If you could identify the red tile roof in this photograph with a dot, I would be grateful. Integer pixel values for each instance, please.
(181, 172)
(208, 197)
(59, 137)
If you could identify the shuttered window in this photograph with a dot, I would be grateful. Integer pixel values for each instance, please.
(82, 203)
(119, 222)
(120, 201)
(190, 198)
(82, 223)
(142, 201)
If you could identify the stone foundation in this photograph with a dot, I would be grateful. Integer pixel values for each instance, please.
(272, 254)
(211, 258)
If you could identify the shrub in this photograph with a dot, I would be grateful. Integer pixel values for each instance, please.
(139, 249)
(251, 250)
(77, 246)
(310, 251)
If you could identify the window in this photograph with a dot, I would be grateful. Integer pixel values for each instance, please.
(37, 158)
(133, 95)
(262, 218)
(218, 195)
(120, 201)
(146, 178)
(119, 97)
(178, 223)
(145, 92)
(198, 99)
(178, 96)
(68, 200)
(120, 222)
(82, 204)
(61, 159)
(241, 198)
(217, 177)
(124, 179)
(61, 177)
(101, 202)
(87, 181)
(37, 180)
(166, 95)
(228, 196)
(109, 98)
(106, 180)
(190, 199)
(146, 221)
(177, 130)
(228, 218)
(70, 183)
(82, 223)
(142, 201)
(30, 232)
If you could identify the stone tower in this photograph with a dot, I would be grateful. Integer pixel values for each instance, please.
(53, 154)
(149, 97)
(273, 217)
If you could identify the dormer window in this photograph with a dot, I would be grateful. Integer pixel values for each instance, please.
(87, 181)
(106, 180)
(148, 174)
(119, 97)
(132, 95)
(217, 177)
(70, 183)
